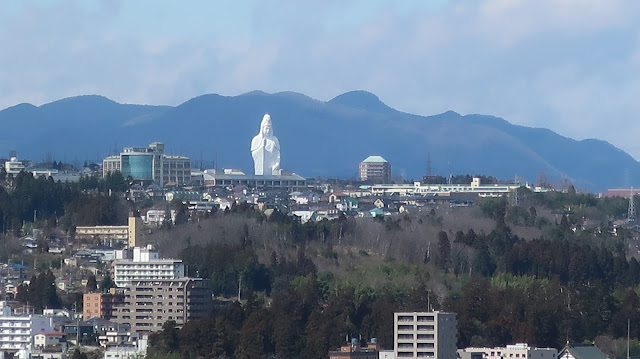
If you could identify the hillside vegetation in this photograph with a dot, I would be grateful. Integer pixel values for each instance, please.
(548, 269)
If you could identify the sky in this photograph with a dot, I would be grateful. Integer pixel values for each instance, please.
(572, 66)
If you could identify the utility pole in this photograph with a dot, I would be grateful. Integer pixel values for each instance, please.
(631, 212)
(628, 330)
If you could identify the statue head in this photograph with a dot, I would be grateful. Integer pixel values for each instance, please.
(266, 128)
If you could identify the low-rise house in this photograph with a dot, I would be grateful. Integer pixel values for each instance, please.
(581, 351)
(132, 350)
(347, 204)
(50, 339)
(305, 215)
(78, 330)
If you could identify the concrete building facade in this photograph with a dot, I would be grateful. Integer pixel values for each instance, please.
(145, 265)
(100, 305)
(375, 169)
(425, 335)
(148, 304)
(17, 332)
(516, 351)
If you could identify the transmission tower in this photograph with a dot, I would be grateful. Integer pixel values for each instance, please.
(631, 212)
(514, 197)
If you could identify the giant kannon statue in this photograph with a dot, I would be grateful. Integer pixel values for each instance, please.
(265, 150)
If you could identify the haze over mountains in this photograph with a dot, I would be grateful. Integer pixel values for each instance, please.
(318, 139)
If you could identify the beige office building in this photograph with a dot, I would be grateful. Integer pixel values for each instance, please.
(148, 304)
(375, 169)
(425, 335)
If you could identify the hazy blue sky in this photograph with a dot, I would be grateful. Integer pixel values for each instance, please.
(569, 65)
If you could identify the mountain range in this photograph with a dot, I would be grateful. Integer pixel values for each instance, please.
(317, 138)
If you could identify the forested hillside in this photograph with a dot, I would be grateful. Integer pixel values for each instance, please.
(543, 272)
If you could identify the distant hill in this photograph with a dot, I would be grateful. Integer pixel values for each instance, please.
(318, 139)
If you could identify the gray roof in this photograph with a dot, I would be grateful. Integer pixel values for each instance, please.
(583, 351)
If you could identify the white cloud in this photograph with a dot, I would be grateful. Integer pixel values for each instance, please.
(569, 65)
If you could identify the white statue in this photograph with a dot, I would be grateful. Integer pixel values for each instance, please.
(265, 150)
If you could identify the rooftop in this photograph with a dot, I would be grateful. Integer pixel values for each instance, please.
(374, 159)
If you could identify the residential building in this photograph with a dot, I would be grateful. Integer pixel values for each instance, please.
(17, 332)
(375, 169)
(148, 304)
(100, 305)
(149, 164)
(49, 339)
(581, 351)
(516, 351)
(128, 235)
(103, 232)
(145, 265)
(129, 350)
(425, 335)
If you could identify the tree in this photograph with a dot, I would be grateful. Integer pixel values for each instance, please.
(77, 354)
(43, 245)
(182, 213)
(92, 284)
(166, 341)
(444, 251)
(106, 283)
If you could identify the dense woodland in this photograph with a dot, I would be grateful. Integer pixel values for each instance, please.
(544, 269)
(308, 286)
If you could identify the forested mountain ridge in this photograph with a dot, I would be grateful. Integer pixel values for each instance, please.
(347, 128)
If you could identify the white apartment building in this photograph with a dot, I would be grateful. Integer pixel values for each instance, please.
(145, 265)
(516, 351)
(425, 335)
(13, 166)
(17, 332)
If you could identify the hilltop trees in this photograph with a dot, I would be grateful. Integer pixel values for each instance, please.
(40, 292)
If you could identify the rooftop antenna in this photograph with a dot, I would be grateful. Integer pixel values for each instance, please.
(631, 212)
(450, 179)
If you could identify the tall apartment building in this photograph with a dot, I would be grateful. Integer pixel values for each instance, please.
(145, 265)
(516, 351)
(17, 332)
(425, 335)
(100, 305)
(149, 164)
(375, 169)
(148, 304)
